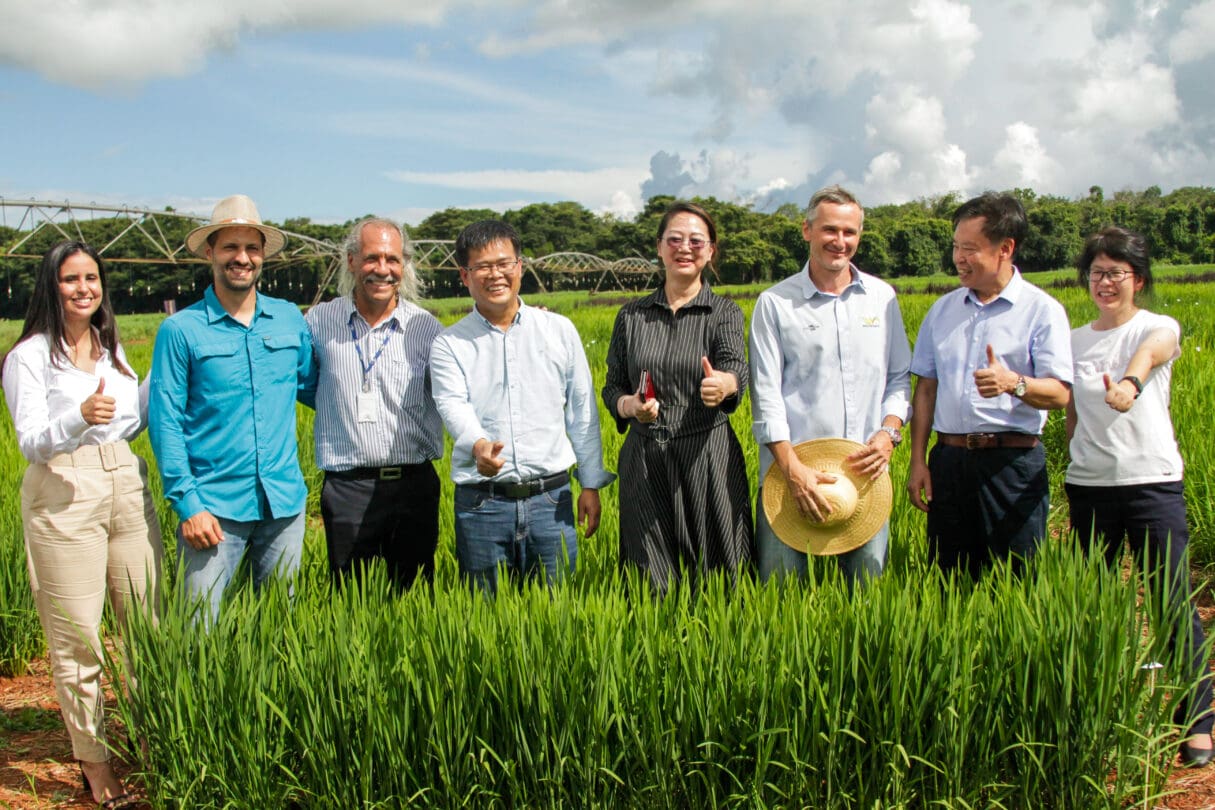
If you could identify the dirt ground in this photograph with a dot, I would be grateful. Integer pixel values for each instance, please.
(37, 770)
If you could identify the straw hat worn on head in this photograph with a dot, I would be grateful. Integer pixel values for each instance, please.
(237, 210)
(859, 506)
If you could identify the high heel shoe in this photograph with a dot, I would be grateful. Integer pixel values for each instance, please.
(123, 801)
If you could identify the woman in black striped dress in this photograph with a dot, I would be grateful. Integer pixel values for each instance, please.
(685, 503)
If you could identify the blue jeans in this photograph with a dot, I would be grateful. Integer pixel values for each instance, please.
(777, 559)
(533, 537)
(274, 547)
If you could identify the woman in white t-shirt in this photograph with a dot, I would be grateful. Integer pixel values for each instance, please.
(87, 514)
(1125, 476)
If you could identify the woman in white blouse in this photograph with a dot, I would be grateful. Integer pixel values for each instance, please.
(90, 524)
(1124, 483)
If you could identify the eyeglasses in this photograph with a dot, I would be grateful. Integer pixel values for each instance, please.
(1098, 276)
(503, 266)
(694, 243)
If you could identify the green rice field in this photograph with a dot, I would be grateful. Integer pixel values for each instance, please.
(913, 692)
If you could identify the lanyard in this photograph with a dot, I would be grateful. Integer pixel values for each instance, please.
(358, 347)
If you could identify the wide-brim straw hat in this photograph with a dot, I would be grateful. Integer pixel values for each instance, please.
(237, 210)
(859, 505)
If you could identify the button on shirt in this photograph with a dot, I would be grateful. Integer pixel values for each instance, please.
(221, 415)
(528, 387)
(825, 365)
(44, 398)
(1029, 331)
(405, 427)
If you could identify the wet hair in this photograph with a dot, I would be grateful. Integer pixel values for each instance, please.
(1003, 217)
(684, 207)
(45, 313)
(483, 233)
(832, 194)
(1120, 245)
(408, 288)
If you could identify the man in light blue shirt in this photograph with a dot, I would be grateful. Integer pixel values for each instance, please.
(226, 372)
(829, 359)
(991, 358)
(514, 389)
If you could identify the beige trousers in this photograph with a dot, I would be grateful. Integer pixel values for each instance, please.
(90, 525)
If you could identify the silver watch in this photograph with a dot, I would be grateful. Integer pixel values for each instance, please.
(1019, 388)
(896, 435)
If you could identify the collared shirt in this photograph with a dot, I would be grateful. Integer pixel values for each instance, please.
(221, 415)
(1029, 331)
(824, 365)
(528, 387)
(398, 423)
(648, 336)
(44, 398)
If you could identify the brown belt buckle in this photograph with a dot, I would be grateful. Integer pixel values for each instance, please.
(390, 473)
(977, 441)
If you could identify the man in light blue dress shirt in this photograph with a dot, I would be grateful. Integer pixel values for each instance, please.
(829, 359)
(514, 389)
(226, 373)
(991, 358)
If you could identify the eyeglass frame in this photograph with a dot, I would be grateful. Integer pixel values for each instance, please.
(504, 266)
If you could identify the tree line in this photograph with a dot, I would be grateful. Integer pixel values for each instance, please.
(908, 239)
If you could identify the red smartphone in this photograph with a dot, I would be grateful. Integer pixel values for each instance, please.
(645, 387)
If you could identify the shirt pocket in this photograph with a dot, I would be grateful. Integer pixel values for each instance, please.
(282, 357)
(218, 369)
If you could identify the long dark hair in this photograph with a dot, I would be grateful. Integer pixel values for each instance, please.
(45, 313)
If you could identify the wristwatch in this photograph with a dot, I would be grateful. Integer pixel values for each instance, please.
(1019, 388)
(896, 435)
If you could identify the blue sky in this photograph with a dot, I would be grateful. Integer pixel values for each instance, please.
(331, 110)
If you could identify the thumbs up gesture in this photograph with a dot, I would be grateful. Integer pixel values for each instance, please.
(996, 379)
(716, 385)
(488, 457)
(1119, 395)
(98, 409)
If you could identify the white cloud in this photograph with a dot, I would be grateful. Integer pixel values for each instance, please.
(1022, 161)
(1196, 39)
(600, 189)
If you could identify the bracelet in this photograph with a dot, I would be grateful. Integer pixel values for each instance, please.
(1135, 381)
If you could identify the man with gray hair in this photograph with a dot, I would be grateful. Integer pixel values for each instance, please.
(829, 359)
(377, 431)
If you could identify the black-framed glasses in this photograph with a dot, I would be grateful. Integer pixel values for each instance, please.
(1116, 275)
(503, 266)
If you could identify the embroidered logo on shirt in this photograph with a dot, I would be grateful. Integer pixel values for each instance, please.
(872, 320)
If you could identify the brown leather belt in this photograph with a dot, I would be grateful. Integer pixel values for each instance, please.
(987, 441)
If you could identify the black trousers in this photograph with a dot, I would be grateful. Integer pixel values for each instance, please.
(1152, 518)
(394, 520)
(986, 504)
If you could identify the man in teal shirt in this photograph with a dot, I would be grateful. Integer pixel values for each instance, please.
(226, 373)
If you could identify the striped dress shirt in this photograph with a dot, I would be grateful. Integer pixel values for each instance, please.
(406, 427)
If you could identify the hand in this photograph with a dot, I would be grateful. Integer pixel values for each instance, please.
(98, 409)
(1120, 395)
(588, 511)
(202, 531)
(919, 486)
(874, 459)
(485, 453)
(803, 483)
(716, 385)
(630, 406)
(995, 379)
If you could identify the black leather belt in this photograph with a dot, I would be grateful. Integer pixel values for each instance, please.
(517, 490)
(381, 473)
(987, 441)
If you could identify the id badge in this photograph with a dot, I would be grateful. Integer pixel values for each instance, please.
(368, 407)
